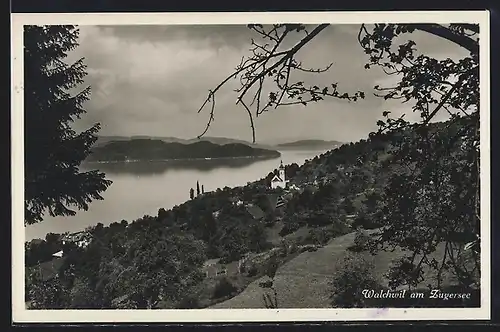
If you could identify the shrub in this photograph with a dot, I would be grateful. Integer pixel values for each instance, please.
(361, 241)
(284, 247)
(223, 288)
(189, 302)
(270, 223)
(319, 219)
(271, 266)
(266, 283)
(354, 274)
(318, 236)
(339, 228)
(252, 271)
(404, 272)
(289, 228)
(365, 221)
(308, 247)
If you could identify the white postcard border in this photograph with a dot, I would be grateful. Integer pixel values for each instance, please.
(22, 315)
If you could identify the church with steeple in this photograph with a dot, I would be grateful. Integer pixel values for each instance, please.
(279, 180)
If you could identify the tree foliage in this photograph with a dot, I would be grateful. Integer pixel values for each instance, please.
(53, 149)
(144, 265)
(355, 274)
(432, 196)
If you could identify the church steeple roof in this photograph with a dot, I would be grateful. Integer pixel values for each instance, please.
(281, 164)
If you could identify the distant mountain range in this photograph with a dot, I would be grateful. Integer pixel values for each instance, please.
(306, 144)
(146, 149)
(102, 140)
(309, 144)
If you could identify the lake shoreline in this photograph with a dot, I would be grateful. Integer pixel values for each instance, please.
(135, 194)
(179, 159)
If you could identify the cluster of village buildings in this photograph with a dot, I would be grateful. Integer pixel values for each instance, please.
(276, 202)
(212, 268)
(47, 271)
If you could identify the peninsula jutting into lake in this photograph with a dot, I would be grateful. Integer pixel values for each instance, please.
(151, 149)
(217, 173)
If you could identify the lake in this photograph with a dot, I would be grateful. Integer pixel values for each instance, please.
(141, 188)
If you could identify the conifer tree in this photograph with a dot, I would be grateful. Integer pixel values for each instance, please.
(53, 149)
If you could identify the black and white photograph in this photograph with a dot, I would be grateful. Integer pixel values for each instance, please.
(284, 162)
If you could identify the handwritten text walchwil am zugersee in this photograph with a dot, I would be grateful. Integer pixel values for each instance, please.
(433, 294)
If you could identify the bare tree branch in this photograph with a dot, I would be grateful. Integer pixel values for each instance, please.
(287, 56)
(254, 70)
(251, 119)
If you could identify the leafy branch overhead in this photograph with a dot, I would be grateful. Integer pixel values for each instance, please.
(270, 61)
(266, 76)
(432, 84)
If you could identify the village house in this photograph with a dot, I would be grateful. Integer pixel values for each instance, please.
(236, 201)
(279, 180)
(58, 254)
(214, 268)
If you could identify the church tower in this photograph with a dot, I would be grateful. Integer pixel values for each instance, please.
(282, 172)
(279, 180)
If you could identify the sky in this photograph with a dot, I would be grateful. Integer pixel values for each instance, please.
(151, 80)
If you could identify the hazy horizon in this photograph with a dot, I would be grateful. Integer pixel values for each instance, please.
(268, 142)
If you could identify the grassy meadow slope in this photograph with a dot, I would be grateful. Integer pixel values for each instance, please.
(304, 282)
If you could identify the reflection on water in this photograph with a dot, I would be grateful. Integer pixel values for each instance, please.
(141, 188)
(161, 166)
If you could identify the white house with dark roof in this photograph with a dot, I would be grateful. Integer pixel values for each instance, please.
(60, 253)
(279, 180)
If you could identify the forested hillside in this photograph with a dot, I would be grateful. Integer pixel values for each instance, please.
(157, 260)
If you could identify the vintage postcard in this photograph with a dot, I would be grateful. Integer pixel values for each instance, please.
(239, 167)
